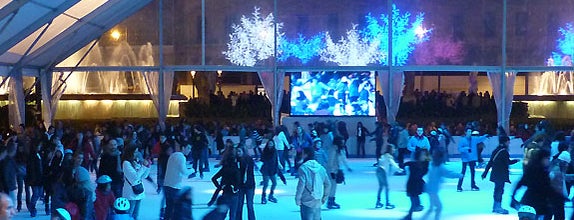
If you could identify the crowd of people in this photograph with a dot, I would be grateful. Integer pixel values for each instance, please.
(414, 104)
(54, 165)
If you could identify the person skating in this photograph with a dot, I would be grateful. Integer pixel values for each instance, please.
(468, 153)
(499, 162)
(415, 183)
(313, 186)
(386, 166)
(437, 173)
(269, 170)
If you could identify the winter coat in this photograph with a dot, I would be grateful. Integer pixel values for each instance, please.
(230, 178)
(467, 148)
(538, 194)
(415, 182)
(362, 134)
(270, 163)
(134, 176)
(281, 141)
(499, 162)
(109, 165)
(321, 157)
(104, 202)
(415, 143)
(34, 170)
(246, 168)
(300, 142)
(314, 185)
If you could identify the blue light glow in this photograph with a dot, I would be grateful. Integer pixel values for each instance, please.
(301, 48)
(565, 47)
(405, 34)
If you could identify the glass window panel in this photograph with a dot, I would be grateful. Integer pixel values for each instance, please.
(182, 32)
(251, 44)
(453, 32)
(306, 25)
(540, 33)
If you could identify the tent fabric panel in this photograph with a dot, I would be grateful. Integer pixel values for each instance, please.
(82, 33)
(29, 19)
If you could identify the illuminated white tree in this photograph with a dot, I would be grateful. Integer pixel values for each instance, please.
(351, 50)
(252, 40)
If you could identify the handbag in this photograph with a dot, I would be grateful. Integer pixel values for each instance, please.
(137, 189)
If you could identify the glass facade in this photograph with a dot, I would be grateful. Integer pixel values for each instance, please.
(447, 34)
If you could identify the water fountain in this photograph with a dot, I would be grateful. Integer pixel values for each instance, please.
(555, 82)
(111, 82)
(110, 94)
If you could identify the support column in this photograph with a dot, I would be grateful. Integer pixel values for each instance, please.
(16, 101)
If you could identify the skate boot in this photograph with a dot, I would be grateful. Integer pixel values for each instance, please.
(263, 199)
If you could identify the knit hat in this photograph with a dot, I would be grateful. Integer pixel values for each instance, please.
(68, 151)
(82, 174)
(565, 156)
(475, 133)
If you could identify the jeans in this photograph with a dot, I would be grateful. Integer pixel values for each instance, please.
(169, 194)
(403, 152)
(471, 164)
(308, 213)
(360, 147)
(246, 194)
(231, 199)
(266, 179)
(21, 189)
(135, 208)
(37, 192)
(205, 158)
(282, 158)
(498, 191)
(197, 161)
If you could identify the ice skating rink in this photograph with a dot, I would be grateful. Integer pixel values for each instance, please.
(357, 197)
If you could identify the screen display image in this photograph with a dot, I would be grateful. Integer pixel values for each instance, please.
(333, 93)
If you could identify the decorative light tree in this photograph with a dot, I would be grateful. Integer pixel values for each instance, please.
(301, 48)
(253, 39)
(352, 50)
(566, 47)
(406, 34)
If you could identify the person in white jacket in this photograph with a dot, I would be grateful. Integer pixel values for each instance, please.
(175, 173)
(313, 187)
(282, 146)
(135, 170)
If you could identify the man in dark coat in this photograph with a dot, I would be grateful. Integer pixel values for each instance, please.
(499, 162)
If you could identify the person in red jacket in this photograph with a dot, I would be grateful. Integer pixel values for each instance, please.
(104, 197)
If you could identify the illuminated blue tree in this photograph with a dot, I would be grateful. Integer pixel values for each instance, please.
(301, 48)
(566, 47)
(406, 34)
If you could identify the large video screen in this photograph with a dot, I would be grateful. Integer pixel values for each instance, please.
(333, 93)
